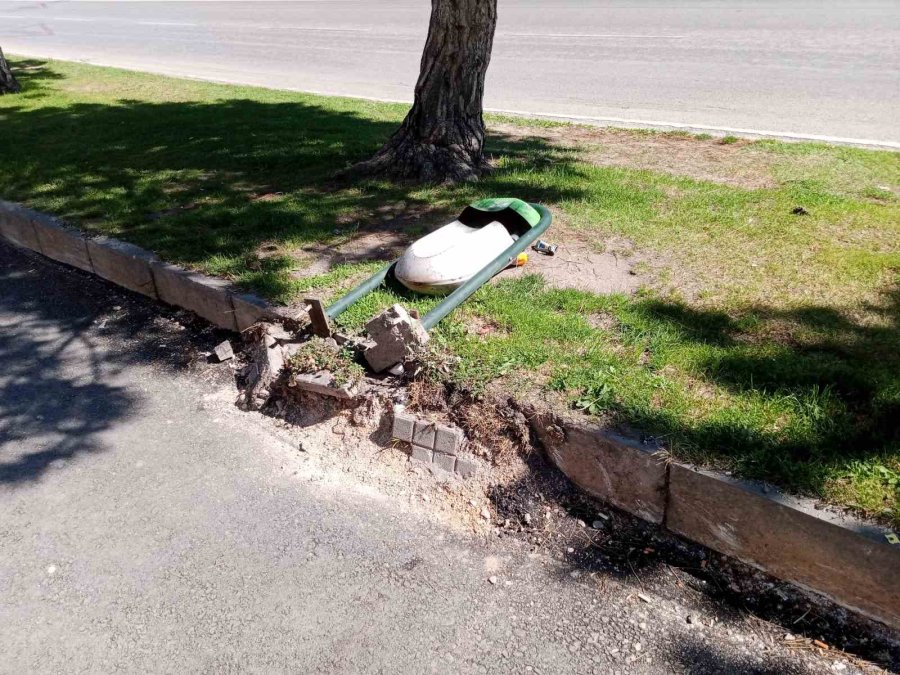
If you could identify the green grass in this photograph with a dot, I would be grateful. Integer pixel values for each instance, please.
(767, 342)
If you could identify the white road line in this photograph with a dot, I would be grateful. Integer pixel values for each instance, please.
(165, 23)
(584, 119)
(592, 35)
(761, 133)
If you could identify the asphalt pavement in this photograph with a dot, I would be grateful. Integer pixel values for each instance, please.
(827, 69)
(147, 525)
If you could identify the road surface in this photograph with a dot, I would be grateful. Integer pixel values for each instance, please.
(147, 525)
(816, 68)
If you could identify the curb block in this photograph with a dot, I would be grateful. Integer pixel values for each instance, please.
(841, 558)
(136, 269)
(204, 296)
(16, 226)
(248, 309)
(788, 538)
(60, 243)
(606, 466)
(123, 264)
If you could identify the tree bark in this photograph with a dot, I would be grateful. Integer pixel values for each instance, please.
(8, 82)
(442, 137)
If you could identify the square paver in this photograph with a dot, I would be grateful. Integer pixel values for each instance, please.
(404, 425)
(423, 434)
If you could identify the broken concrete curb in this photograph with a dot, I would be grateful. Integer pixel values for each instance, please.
(843, 559)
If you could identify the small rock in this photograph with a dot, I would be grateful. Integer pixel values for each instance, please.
(799, 211)
(527, 519)
(485, 513)
(570, 550)
(426, 498)
(223, 351)
(581, 523)
(638, 647)
(51, 569)
(597, 524)
(689, 618)
(787, 636)
(493, 580)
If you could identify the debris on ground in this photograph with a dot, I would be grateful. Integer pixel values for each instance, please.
(223, 351)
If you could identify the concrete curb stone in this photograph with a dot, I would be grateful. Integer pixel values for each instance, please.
(845, 560)
(607, 466)
(123, 264)
(60, 243)
(206, 297)
(16, 226)
(248, 309)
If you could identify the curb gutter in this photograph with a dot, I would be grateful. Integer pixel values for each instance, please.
(848, 561)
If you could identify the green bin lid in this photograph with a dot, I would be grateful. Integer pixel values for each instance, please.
(524, 209)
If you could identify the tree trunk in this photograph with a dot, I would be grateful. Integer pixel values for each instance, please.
(8, 83)
(441, 138)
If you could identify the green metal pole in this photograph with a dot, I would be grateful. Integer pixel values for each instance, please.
(499, 263)
(364, 288)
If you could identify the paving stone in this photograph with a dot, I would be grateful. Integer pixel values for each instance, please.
(444, 461)
(466, 467)
(15, 226)
(423, 434)
(123, 264)
(60, 243)
(846, 560)
(404, 424)
(209, 298)
(447, 439)
(422, 454)
(610, 467)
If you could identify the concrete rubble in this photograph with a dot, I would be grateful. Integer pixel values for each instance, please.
(393, 335)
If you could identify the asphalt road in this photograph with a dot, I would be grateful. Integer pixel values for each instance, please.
(147, 525)
(814, 68)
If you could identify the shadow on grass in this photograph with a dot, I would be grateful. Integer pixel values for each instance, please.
(841, 376)
(208, 183)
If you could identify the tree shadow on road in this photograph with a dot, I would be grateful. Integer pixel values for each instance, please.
(66, 343)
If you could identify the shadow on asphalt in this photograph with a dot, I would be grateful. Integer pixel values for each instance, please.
(64, 342)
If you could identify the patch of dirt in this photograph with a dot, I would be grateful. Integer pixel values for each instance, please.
(702, 159)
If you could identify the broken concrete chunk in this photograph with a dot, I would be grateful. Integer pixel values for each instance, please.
(223, 351)
(395, 334)
(322, 383)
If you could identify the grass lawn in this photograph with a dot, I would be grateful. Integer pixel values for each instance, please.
(765, 336)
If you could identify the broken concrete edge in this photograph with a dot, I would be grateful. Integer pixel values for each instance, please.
(848, 561)
(136, 269)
